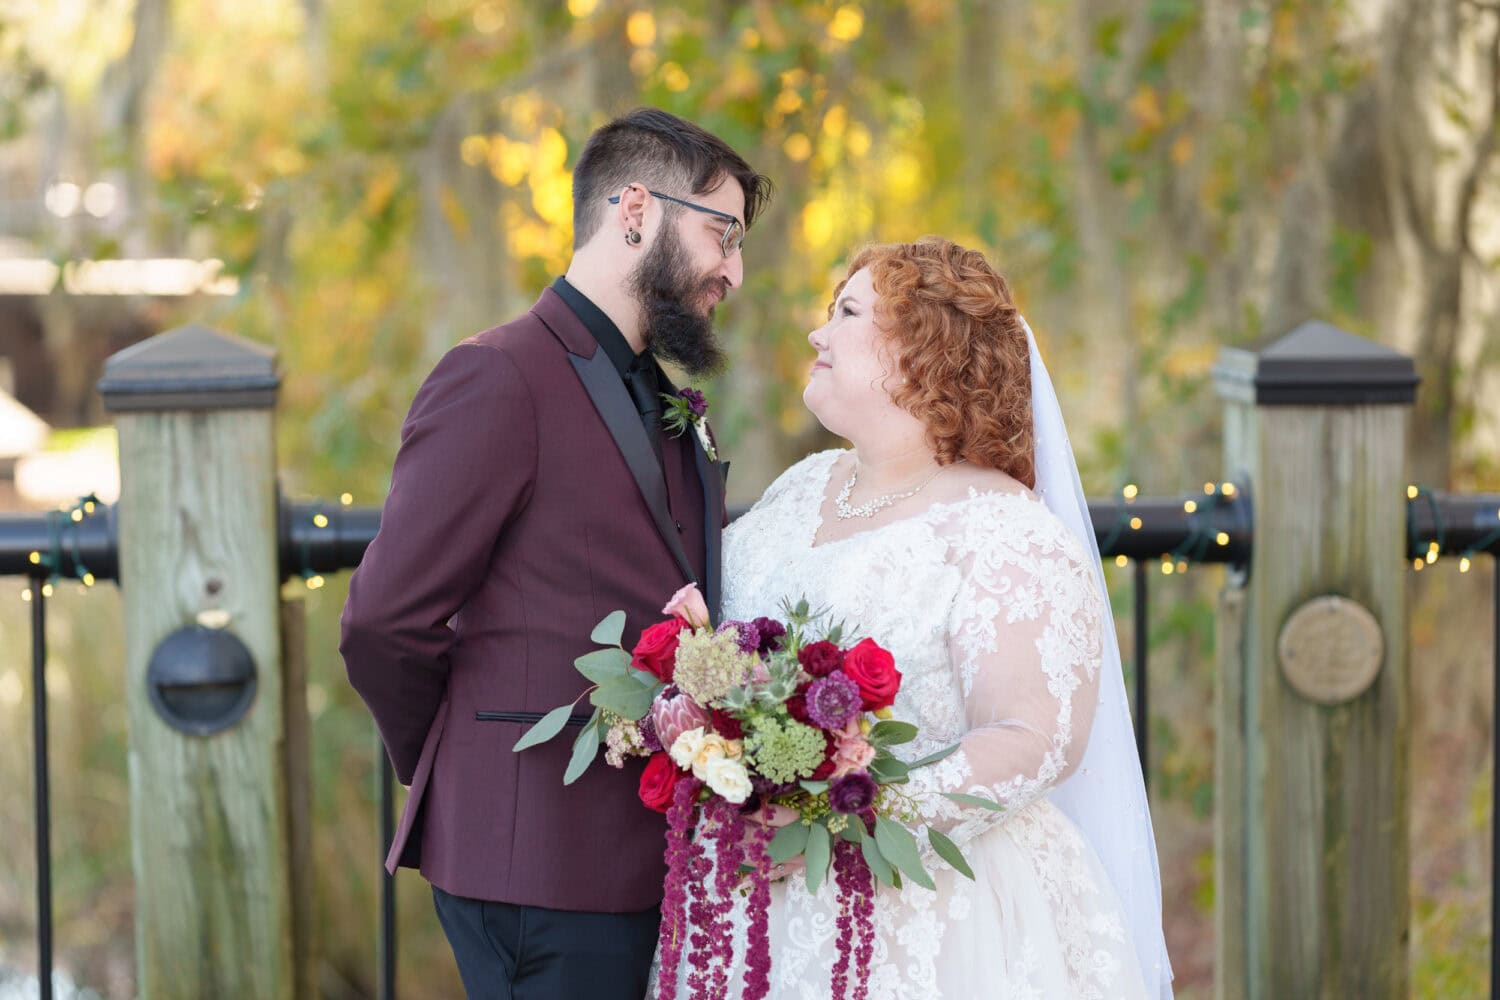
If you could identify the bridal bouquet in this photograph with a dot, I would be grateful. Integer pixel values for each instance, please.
(750, 715)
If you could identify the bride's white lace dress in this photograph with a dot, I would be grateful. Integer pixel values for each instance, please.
(990, 609)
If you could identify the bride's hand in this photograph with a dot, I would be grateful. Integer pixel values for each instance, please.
(777, 817)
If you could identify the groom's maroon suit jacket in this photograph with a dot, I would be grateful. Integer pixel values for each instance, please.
(526, 504)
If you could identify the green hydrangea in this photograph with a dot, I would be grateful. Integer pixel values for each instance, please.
(785, 750)
(710, 665)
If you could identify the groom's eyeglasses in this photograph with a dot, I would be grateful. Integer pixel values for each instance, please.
(734, 233)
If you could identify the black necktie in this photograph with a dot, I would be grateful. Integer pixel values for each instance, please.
(644, 390)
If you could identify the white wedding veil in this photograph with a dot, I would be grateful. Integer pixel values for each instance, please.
(1106, 796)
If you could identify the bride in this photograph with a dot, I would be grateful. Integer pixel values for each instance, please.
(955, 532)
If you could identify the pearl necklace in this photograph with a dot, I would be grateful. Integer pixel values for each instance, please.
(845, 511)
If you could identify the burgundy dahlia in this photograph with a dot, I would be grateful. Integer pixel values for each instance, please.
(852, 793)
(771, 632)
(833, 700)
(820, 658)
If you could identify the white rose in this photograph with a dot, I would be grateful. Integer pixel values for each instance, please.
(728, 779)
(686, 747)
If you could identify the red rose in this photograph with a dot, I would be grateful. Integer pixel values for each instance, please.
(658, 781)
(726, 725)
(874, 670)
(820, 658)
(656, 653)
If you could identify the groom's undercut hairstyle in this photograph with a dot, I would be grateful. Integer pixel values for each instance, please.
(665, 152)
(960, 344)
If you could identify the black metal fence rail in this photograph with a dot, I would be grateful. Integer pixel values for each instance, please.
(317, 537)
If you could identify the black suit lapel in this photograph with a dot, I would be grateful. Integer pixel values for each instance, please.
(608, 394)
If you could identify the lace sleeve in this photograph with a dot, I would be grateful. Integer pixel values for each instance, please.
(1024, 639)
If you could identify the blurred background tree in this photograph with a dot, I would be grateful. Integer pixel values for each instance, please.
(1158, 178)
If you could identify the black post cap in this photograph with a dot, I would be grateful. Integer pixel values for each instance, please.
(191, 368)
(1316, 365)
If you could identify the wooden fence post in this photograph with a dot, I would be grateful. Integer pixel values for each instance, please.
(215, 821)
(1312, 768)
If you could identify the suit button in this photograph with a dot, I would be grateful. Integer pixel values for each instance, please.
(679, 527)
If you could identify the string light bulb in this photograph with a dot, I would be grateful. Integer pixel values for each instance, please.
(1412, 492)
(26, 594)
(1122, 561)
(1182, 566)
(1463, 564)
(46, 590)
(1190, 506)
(1208, 489)
(77, 515)
(1222, 538)
(1417, 564)
(88, 508)
(1167, 569)
(346, 499)
(88, 579)
(1135, 524)
(320, 520)
(1227, 489)
(35, 558)
(315, 582)
(1131, 491)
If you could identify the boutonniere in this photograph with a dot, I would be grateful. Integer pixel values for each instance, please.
(687, 408)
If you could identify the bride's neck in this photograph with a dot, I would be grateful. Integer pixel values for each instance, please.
(892, 465)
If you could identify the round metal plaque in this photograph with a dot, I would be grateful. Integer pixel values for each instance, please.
(1331, 649)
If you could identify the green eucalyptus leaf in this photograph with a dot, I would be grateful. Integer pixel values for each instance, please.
(949, 852)
(585, 747)
(877, 862)
(973, 800)
(789, 842)
(934, 757)
(892, 733)
(546, 727)
(819, 853)
(900, 849)
(622, 696)
(815, 787)
(603, 664)
(609, 631)
(888, 770)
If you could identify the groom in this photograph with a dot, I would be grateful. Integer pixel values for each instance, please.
(535, 491)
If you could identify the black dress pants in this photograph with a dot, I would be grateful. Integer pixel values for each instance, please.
(508, 952)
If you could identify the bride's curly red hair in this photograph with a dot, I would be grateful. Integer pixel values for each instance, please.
(960, 349)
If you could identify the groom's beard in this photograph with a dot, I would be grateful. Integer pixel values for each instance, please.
(679, 327)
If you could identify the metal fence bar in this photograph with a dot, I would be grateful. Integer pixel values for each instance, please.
(387, 950)
(43, 789)
(1141, 640)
